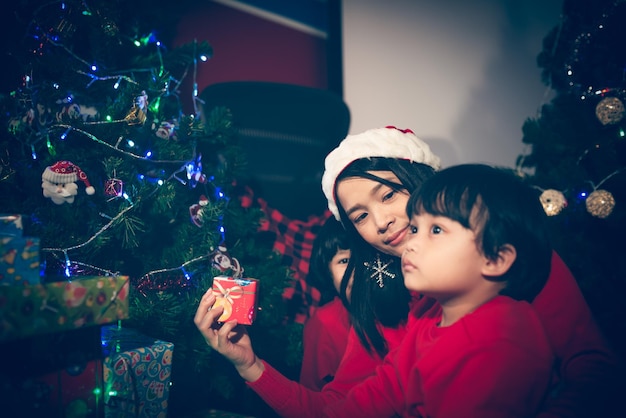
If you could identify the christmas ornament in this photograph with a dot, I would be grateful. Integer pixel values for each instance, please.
(137, 114)
(167, 130)
(221, 260)
(600, 203)
(194, 172)
(108, 25)
(195, 211)
(113, 187)
(161, 282)
(58, 182)
(65, 29)
(553, 201)
(73, 111)
(610, 110)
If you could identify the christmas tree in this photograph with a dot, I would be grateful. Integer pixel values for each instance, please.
(578, 152)
(115, 179)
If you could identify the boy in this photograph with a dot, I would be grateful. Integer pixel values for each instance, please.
(479, 247)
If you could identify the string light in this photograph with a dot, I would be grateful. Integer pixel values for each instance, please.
(90, 73)
(49, 146)
(64, 134)
(609, 111)
(68, 264)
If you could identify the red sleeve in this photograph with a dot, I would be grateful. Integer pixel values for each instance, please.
(324, 339)
(291, 399)
(587, 368)
(380, 395)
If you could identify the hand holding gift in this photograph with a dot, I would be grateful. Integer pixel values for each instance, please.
(230, 340)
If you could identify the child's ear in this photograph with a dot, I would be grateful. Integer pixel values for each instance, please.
(502, 263)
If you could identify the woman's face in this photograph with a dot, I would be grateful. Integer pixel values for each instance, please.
(377, 211)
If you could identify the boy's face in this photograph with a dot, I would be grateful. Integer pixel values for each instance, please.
(337, 268)
(441, 258)
(377, 211)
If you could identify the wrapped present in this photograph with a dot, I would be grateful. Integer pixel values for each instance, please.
(238, 297)
(19, 260)
(11, 225)
(136, 374)
(62, 306)
(73, 391)
(56, 375)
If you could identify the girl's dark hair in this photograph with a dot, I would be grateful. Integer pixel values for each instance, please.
(370, 304)
(330, 238)
(501, 209)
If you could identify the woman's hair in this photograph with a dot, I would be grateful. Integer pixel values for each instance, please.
(370, 304)
(501, 209)
(330, 238)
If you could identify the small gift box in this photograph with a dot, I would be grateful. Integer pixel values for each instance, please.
(238, 297)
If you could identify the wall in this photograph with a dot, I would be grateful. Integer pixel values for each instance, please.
(462, 75)
(250, 44)
(277, 41)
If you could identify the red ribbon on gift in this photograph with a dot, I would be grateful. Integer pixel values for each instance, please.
(235, 292)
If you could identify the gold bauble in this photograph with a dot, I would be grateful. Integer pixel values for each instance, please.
(600, 203)
(610, 110)
(553, 201)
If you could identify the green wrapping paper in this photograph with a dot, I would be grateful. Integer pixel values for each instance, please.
(61, 306)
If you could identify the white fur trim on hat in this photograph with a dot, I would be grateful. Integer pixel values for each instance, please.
(387, 142)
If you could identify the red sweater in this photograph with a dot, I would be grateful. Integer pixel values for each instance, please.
(585, 364)
(325, 337)
(495, 362)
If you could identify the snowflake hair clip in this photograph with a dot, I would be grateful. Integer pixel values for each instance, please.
(379, 270)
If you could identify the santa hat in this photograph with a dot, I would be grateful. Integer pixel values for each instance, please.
(387, 142)
(63, 172)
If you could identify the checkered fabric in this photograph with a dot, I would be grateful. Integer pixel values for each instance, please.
(293, 239)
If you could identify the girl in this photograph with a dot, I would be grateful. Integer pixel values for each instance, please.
(325, 333)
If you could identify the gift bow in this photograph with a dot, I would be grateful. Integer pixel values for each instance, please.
(229, 294)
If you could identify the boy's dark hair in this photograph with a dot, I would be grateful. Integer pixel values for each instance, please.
(501, 209)
(370, 304)
(330, 238)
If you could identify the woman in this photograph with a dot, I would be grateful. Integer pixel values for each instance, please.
(367, 180)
